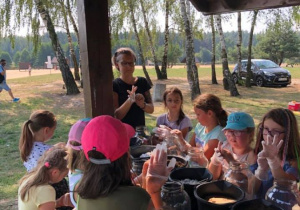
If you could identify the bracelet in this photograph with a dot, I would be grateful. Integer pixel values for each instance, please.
(144, 106)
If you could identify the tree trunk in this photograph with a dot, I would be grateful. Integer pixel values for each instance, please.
(64, 67)
(141, 54)
(77, 35)
(213, 56)
(192, 71)
(72, 52)
(160, 76)
(166, 41)
(228, 82)
(249, 72)
(239, 44)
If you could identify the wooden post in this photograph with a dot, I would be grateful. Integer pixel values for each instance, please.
(95, 52)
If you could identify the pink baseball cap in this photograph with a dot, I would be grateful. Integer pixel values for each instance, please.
(75, 133)
(108, 136)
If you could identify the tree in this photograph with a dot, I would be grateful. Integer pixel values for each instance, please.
(228, 82)
(213, 57)
(25, 56)
(249, 73)
(44, 50)
(279, 41)
(192, 71)
(65, 69)
(17, 57)
(239, 45)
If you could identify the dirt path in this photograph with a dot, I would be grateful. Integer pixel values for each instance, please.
(12, 74)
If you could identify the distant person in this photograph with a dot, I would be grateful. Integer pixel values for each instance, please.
(3, 84)
(131, 94)
(29, 70)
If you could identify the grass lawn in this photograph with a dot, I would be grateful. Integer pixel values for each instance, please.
(45, 92)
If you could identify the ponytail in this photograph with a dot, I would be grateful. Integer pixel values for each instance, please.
(38, 120)
(26, 141)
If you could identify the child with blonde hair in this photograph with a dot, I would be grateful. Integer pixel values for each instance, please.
(37, 130)
(35, 191)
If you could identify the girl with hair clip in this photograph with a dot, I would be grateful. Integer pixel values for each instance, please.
(278, 149)
(35, 191)
(106, 180)
(131, 95)
(75, 155)
(35, 132)
(175, 117)
(211, 120)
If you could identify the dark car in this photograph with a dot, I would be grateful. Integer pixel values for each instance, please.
(264, 72)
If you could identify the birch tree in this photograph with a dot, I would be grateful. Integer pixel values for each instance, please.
(239, 45)
(249, 73)
(192, 71)
(228, 82)
(213, 47)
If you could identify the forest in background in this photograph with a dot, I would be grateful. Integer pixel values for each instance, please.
(22, 48)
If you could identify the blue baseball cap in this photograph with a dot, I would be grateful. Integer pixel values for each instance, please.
(239, 121)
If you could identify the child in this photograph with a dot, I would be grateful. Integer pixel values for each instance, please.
(106, 179)
(75, 153)
(175, 117)
(35, 191)
(29, 70)
(278, 149)
(131, 95)
(239, 132)
(38, 129)
(211, 120)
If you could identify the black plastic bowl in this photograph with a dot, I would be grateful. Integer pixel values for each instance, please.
(136, 152)
(255, 204)
(217, 189)
(200, 174)
(180, 161)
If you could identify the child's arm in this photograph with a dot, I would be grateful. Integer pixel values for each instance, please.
(185, 131)
(192, 140)
(209, 148)
(47, 206)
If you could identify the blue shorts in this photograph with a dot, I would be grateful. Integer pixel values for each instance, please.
(4, 86)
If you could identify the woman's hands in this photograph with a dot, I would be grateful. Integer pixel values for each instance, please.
(138, 98)
(131, 94)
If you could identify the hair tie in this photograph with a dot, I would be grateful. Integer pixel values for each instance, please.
(47, 164)
(29, 121)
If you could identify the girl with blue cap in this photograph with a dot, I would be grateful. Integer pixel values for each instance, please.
(239, 132)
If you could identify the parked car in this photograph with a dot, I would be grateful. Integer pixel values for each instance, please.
(264, 72)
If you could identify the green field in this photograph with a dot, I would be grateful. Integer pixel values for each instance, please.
(45, 92)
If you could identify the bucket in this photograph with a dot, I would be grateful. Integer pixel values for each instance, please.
(217, 189)
(200, 174)
(260, 204)
(137, 161)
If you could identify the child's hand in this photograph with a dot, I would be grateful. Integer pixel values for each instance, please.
(262, 171)
(158, 172)
(270, 151)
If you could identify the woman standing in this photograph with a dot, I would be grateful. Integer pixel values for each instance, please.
(131, 94)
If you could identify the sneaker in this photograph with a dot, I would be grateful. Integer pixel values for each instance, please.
(16, 99)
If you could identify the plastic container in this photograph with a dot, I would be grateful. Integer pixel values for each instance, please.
(222, 189)
(196, 158)
(199, 174)
(284, 194)
(294, 106)
(174, 197)
(258, 204)
(180, 161)
(137, 160)
(240, 175)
